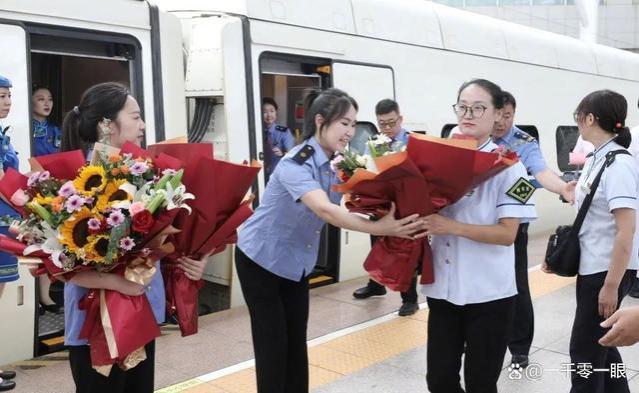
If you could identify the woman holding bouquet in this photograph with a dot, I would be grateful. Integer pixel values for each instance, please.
(471, 301)
(109, 114)
(278, 246)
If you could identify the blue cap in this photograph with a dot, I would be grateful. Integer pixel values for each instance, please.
(5, 82)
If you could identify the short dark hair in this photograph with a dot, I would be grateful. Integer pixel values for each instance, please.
(509, 99)
(79, 128)
(332, 104)
(491, 88)
(609, 109)
(386, 106)
(269, 101)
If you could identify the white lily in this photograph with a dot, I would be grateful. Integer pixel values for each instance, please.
(176, 197)
(51, 245)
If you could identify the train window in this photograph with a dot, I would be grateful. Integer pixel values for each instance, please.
(566, 138)
(363, 131)
(446, 130)
(530, 130)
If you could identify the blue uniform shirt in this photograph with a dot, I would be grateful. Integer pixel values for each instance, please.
(283, 234)
(400, 139)
(74, 317)
(46, 136)
(7, 152)
(526, 147)
(282, 138)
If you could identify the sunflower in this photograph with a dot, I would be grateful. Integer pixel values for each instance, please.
(91, 179)
(97, 248)
(74, 231)
(112, 193)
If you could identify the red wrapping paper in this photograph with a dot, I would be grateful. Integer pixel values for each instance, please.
(62, 165)
(432, 174)
(218, 209)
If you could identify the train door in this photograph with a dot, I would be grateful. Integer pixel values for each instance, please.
(17, 303)
(368, 84)
(284, 79)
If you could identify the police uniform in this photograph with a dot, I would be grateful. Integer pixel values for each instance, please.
(618, 188)
(373, 287)
(8, 262)
(276, 250)
(472, 299)
(46, 137)
(527, 148)
(280, 137)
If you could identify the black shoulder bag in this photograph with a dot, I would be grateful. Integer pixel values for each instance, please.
(563, 251)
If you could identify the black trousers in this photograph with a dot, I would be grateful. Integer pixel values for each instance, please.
(409, 296)
(139, 379)
(279, 316)
(524, 320)
(586, 331)
(483, 329)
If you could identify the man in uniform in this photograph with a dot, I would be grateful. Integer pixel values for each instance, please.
(389, 121)
(277, 139)
(527, 148)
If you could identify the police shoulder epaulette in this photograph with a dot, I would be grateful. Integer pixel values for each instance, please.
(521, 191)
(304, 154)
(281, 128)
(524, 136)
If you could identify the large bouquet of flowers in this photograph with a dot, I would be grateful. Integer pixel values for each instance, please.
(430, 174)
(112, 216)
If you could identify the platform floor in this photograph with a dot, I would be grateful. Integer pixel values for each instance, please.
(355, 346)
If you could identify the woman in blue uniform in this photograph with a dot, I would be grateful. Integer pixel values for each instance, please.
(46, 136)
(278, 246)
(8, 262)
(472, 300)
(108, 112)
(278, 139)
(46, 140)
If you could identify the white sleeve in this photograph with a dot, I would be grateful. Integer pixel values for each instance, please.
(619, 183)
(515, 194)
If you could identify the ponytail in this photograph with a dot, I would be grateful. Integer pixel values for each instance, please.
(99, 102)
(623, 137)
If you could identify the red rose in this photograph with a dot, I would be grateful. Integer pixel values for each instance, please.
(143, 221)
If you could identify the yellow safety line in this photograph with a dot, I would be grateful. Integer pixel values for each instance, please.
(355, 351)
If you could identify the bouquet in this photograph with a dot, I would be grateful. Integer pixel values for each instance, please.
(112, 216)
(429, 175)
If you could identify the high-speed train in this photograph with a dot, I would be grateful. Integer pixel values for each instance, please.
(202, 67)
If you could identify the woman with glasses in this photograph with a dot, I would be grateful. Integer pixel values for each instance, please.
(608, 240)
(472, 299)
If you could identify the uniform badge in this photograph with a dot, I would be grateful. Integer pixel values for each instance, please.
(522, 190)
(304, 154)
(524, 136)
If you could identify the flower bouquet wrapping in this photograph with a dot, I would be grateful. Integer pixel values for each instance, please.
(210, 227)
(112, 215)
(431, 174)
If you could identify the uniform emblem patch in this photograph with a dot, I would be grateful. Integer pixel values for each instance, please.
(522, 190)
(304, 154)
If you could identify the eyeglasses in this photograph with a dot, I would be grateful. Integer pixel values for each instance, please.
(476, 111)
(387, 124)
(575, 115)
(581, 116)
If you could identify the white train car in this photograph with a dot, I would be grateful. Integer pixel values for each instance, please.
(412, 50)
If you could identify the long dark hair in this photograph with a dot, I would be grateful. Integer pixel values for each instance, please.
(332, 104)
(609, 109)
(79, 128)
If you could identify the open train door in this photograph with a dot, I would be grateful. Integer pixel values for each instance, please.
(368, 84)
(17, 303)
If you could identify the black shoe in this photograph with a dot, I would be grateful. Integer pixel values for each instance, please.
(521, 360)
(408, 308)
(7, 374)
(6, 385)
(366, 292)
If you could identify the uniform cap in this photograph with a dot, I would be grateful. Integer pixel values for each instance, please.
(5, 82)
